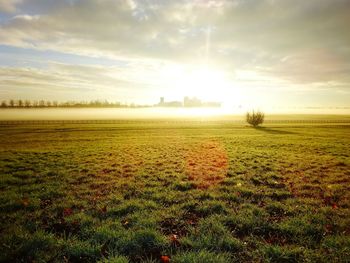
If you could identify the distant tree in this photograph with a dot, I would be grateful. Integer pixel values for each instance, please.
(27, 103)
(45, 103)
(255, 118)
(41, 103)
(116, 104)
(97, 103)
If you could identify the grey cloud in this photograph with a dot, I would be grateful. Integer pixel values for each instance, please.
(272, 37)
(62, 78)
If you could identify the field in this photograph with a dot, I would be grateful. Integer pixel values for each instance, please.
(143, 191)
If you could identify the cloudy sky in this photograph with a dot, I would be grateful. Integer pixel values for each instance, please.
(242, 52)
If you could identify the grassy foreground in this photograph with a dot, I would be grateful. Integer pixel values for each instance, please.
(174, 192)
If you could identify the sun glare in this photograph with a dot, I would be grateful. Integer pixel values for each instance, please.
(203, 82)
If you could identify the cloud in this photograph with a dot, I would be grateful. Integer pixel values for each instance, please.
(80, 82)
(301, 42)
(129, 83)
(9, 6)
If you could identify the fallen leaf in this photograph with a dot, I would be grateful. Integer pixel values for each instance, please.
(25, 201)
(165, 259)
(174, 237)
(190, 222)
(67, 212)
(328, 228)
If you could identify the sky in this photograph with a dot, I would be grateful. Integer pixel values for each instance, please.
(257, 53)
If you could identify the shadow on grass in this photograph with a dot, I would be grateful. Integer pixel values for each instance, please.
(273, 131)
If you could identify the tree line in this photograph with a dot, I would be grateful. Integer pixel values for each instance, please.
(55, 104)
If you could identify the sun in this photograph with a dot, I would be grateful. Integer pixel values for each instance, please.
(202, 82)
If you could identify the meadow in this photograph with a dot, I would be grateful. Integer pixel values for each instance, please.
(178, 191)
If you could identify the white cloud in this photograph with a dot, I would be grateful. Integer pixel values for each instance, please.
(82, 82)
(300, 42)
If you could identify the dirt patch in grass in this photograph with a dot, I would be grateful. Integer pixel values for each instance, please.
(207, 164)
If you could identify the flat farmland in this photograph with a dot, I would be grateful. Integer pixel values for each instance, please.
(144, 191)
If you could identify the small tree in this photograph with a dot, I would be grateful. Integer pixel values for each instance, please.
(3, 104)
(255, 118)
(41, 103)
(27, 103)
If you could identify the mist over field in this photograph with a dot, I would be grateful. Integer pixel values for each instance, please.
(162, 113)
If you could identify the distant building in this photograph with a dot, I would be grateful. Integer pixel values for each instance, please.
(163, 103)
(192, 102)
(173, 104)
(188, 102)
(195, 102)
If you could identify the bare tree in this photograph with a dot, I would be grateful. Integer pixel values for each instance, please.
(12, 103)
(255, 118)
(27, 103)
(3, 104)
(41, 103)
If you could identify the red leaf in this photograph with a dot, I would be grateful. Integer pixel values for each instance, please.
(25, 201)
(328, 228)
(190, 222)
(334, 206)
(175, 239)
(165, 259)
(67, 212)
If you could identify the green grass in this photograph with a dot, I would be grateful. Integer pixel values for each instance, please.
(194, 192)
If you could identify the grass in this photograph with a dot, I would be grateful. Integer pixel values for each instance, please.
(178, 191)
